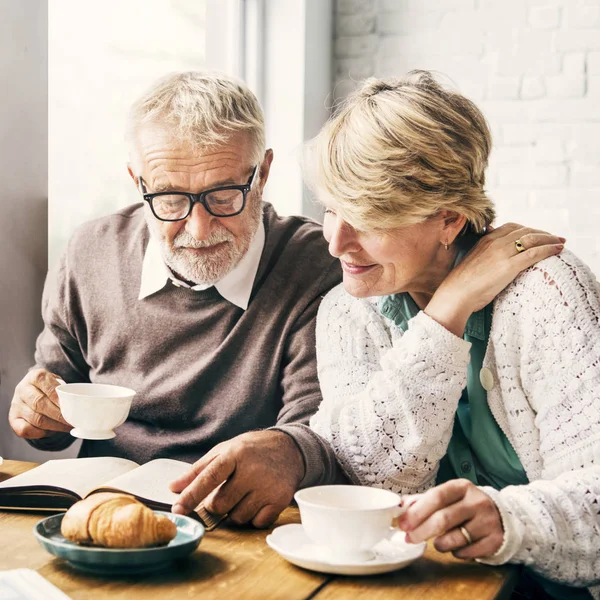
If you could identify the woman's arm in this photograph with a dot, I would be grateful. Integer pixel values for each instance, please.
(547, 334)
(553, 524)
(491, 265)
(388, 398)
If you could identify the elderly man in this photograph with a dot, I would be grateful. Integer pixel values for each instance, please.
(200, 298)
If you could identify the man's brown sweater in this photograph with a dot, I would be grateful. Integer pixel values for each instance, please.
(204, 369)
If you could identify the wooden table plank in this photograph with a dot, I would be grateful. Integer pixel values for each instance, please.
(235, 562)
(229, 563)
(436, 575)
(10, 468)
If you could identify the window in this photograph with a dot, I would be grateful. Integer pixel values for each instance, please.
(95, 73)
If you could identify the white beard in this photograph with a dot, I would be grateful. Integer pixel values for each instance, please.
(212, 265)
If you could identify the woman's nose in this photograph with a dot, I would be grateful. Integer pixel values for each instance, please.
(341, 237)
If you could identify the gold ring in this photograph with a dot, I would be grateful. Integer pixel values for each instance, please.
(519, 246)
(467, 535)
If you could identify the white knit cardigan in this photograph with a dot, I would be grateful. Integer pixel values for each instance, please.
(389, 401)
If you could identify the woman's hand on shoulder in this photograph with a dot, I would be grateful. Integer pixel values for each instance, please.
(492, 264)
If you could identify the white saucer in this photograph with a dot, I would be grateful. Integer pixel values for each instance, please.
(293, 544)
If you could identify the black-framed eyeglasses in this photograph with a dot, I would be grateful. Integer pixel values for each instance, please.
(224, 201)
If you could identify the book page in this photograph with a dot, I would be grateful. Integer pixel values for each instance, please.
(151, 481)
(26, 584)
(79, 475)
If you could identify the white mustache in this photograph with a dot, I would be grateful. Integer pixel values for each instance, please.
(184, 240)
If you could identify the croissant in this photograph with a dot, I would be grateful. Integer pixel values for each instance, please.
(116, 521)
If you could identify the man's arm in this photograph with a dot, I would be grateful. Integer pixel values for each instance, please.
(302, 395)
(35, 413)
(254, 476)
(320, 464)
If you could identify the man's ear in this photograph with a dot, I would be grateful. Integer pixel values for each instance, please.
(133, 176)
(264, 169)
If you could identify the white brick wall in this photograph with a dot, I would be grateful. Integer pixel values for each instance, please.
(533, 66)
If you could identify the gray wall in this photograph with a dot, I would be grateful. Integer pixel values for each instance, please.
(23, 201)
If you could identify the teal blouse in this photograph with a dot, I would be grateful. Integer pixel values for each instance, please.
(478, 449)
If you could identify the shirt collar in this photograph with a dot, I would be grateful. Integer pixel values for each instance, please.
(235, 287)
(401, 308)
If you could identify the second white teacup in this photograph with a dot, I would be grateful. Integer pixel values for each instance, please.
(94, 409)
(348, 520)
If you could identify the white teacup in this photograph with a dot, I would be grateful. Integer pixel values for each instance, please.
(348, 520)
(94, 409)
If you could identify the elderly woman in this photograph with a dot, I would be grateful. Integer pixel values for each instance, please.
(483, 403)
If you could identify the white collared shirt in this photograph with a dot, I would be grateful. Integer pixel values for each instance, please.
(235, 287)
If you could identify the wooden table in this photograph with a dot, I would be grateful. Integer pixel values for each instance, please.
(236, 563)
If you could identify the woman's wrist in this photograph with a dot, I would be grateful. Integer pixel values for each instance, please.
(449, 312)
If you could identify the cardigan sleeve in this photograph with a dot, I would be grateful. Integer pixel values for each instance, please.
(553, 524)
(389, 398)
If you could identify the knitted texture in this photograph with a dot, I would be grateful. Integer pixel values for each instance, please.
(389, 401)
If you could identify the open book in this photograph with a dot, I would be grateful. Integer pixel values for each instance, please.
(57, 484)
(26, 584)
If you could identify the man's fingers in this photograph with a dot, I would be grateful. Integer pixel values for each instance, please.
(46, 383)
(179, 484)
(244, 476)
(212, 476)
(246, 509)
(41, 421)
(36, 419)
(226, 497)
(38, 391)
(38, 402)
(25, 430)
(267, 515)
(254, 508)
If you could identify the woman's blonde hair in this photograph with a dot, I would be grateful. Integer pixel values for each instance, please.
(203, 109)
(399, 150)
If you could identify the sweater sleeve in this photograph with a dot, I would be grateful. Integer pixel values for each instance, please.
(553, 524)
(388, 400)
(57, 348)
(301, 393)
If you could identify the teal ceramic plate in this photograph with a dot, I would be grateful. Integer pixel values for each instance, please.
(112, 561)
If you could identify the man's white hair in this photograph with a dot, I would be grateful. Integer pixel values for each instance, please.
(203, 109)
